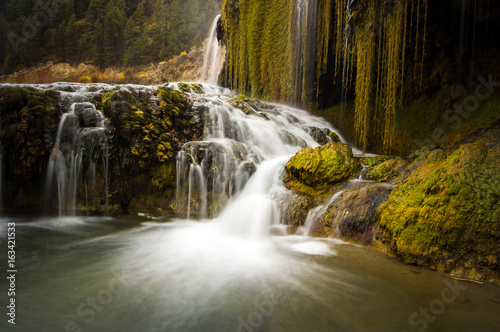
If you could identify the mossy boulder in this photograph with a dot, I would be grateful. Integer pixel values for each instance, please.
(446, 215)
(314, 171)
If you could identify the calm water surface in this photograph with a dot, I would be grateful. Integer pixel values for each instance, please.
(131, 274)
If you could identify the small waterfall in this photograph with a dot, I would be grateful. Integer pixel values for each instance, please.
(315, 214)
(80, 144)
(347, 52)
(1, 171)
(318, 212)
(305, 47)
(239, 161)
(214, 56)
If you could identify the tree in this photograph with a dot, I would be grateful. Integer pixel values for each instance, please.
(81, 7)
(98, 40)
(139, 16)
(95, 10)
(71, 38)
(59, 41)
(62, 11)
(114, 43)
(3, 38)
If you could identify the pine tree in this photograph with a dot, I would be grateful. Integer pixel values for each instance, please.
(3, 38)
(59, 41)
(139, 16)
(98, 41)
(96, 10)
(114, 43)
(81, 7)
(71, 38)
(62, 11)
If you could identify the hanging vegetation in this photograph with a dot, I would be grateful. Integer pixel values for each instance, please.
(284, 50)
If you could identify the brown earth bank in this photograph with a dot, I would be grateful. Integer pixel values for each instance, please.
(184, 67)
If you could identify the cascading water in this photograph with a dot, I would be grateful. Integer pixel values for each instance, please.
(243, 152)
(305, 47)
(80, 144)
(1, 171)
(214, 56)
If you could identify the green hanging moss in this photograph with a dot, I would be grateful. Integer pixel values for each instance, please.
(365, 49)
(264, 58)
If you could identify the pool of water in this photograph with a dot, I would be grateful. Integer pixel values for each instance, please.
(135, 274)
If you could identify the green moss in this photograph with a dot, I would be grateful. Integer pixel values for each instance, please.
(373, 161)
(314, 171)
(163, 176)
(439, 211)
(144, 127)
(386, 170)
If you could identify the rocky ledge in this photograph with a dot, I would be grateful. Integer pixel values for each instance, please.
(437, 208)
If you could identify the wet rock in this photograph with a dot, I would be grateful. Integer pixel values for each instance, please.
(293, 207)
(87, 114)
(352, 216)
(322, 135)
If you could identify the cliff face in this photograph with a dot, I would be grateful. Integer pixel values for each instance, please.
(47, 148)
(398, 67)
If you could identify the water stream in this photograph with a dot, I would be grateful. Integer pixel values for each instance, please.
(79, 145)
(214, 56)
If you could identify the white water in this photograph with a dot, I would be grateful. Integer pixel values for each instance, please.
(305, 47)
(80, 135)
(214, 56)
(250, 143)
(1, 171)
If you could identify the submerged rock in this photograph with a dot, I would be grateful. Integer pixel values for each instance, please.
(446, 214)
(314, 171)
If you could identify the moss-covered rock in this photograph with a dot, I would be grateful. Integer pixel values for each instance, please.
(145, 133)
(446, 215)
(314, 171)
(388, 170)
(29, 120)
(374, 161)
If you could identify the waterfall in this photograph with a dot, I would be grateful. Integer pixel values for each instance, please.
(214, 56)
(1, 171)
(305, 48)
(231, 174)
(80, 144)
